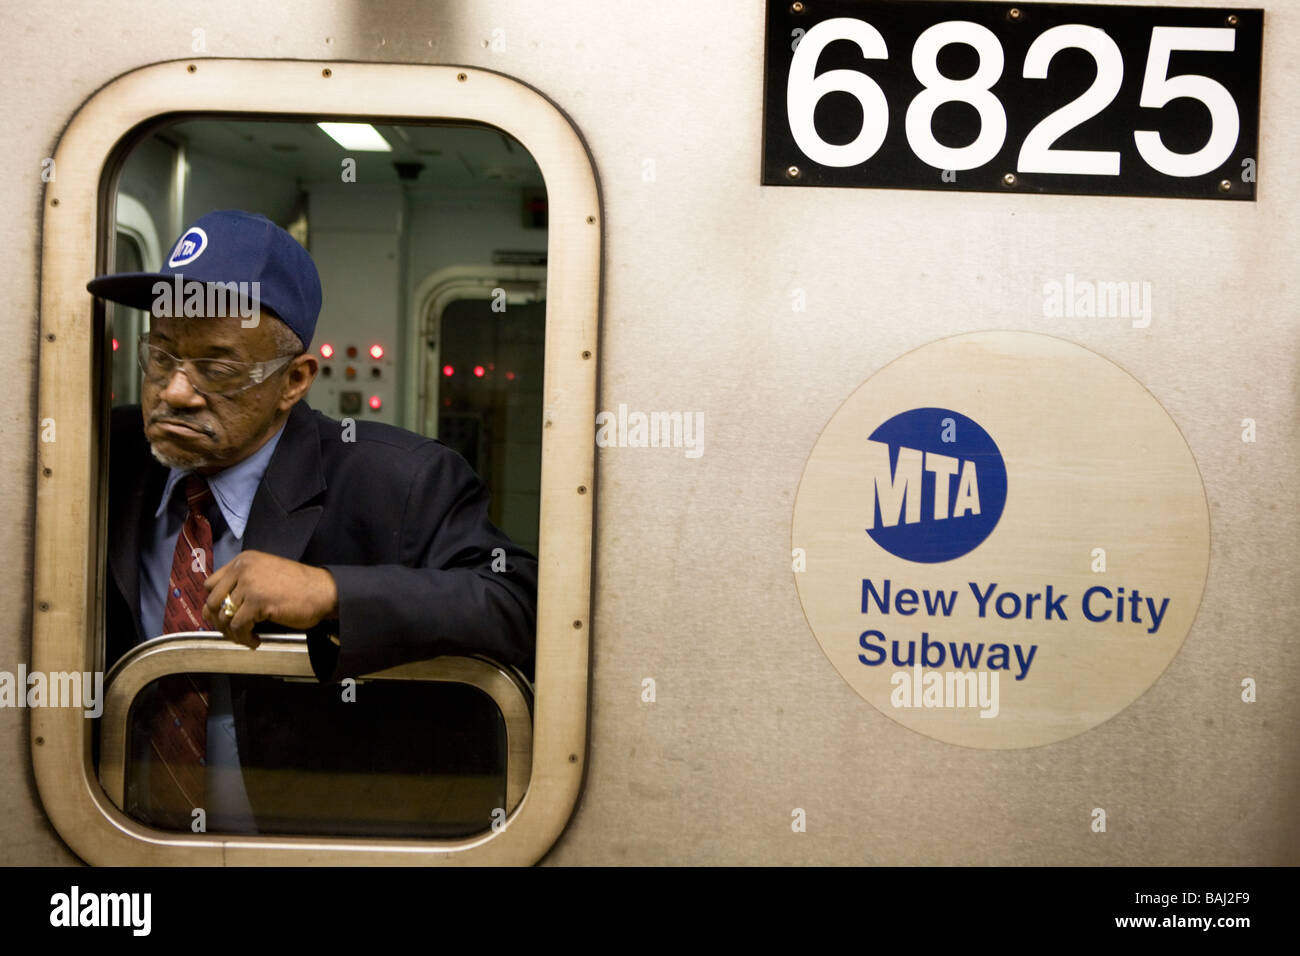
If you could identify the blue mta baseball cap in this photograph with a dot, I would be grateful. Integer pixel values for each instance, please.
(269, 268)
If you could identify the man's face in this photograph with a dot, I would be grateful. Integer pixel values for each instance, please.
(207, 433)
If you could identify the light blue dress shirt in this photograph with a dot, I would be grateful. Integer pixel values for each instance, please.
(234, 488)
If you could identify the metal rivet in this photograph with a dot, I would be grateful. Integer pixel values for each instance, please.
(1013, 13)
(191, 69)
(1232, 20)
(582, 489)
(586, 354)
(44, 605)
(49, 337)
(461, 77)
(591, 220)
(1225, 185)
(793, 172)
(327, 72)
(577, 625)
(47, 472)
(40, 741)
(54, 202)
(796, 7)
(1009, 179)
(573, 758)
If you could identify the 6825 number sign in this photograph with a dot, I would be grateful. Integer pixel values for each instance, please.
(1045, 98)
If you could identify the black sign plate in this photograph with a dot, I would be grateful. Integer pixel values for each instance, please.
(1037, 97)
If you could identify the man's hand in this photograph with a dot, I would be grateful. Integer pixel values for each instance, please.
(264, 587)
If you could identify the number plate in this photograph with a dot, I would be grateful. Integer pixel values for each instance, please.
(1043, 98)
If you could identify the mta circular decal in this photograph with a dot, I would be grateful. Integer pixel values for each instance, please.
(938, 485)
(189, 247)
(1000, 540)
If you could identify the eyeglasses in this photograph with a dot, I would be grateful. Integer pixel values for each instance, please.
(216, 376)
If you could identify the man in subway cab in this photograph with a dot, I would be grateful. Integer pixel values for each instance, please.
(234, 507)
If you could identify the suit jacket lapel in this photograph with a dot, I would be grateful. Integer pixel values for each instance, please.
(134, 492)
(280, 522)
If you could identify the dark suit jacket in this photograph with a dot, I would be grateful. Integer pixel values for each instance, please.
(399, 520)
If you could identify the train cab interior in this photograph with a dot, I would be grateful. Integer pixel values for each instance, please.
(431, 244)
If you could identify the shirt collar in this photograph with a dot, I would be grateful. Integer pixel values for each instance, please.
(233, 488)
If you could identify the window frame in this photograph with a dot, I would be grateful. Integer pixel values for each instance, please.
(285, 655)
(71, 494)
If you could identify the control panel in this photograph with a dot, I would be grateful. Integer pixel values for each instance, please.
(357, 379)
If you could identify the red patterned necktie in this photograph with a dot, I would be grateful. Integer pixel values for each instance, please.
(180, 725)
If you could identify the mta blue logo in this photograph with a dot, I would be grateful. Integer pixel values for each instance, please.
(937, 485)
(188, 247)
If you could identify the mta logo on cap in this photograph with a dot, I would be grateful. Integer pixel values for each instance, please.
(936, 484)
(189, 247)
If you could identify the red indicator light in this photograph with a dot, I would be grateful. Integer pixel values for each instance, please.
(327, 351)
(375, 403)
(376, 352)
(448, 371)
(478, 371)
(510, 376)
(114, 345)
(350, 372)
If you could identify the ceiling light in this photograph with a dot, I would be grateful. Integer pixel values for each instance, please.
(361, 137)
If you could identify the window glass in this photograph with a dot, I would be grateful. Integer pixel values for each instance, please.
(490, 407)
(126, 324)
(404, 758)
